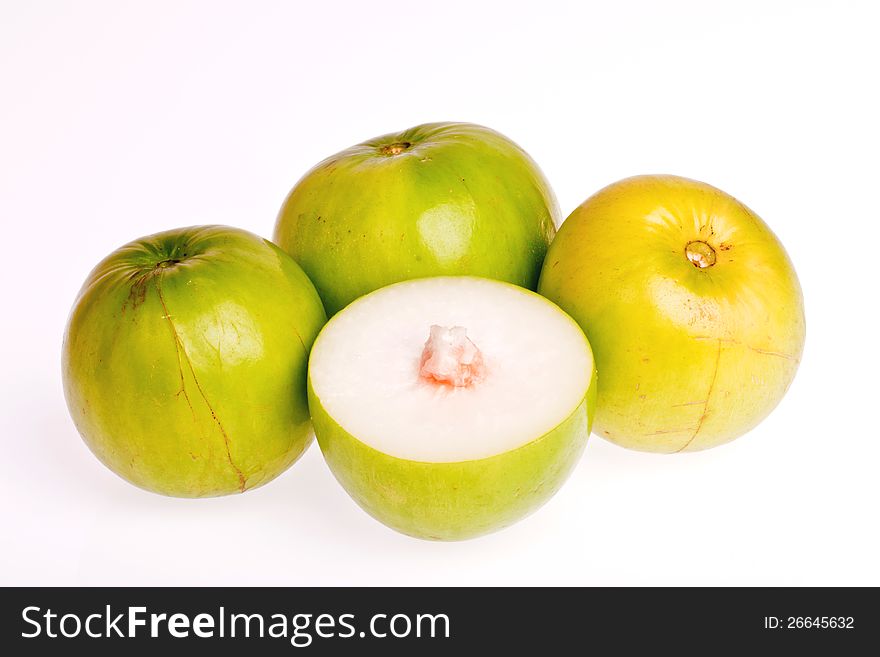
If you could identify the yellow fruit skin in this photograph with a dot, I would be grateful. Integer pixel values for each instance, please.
(688, 357)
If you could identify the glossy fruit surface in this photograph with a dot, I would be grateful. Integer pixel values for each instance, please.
(185, 360)
(437, 199)
(691, 305)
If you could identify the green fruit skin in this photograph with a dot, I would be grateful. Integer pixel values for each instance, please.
(688, 358)
(189, 378)
(461, 199)
(454, 501)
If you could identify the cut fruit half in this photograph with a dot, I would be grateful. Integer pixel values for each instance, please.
(450, 407)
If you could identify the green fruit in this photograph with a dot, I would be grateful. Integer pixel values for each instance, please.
(691, 304)
(185, 360)
(437, 199)
(464, 433)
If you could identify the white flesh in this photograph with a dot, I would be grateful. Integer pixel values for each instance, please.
(364, 368)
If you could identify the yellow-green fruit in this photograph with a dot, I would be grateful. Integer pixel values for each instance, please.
(437, 199)
(691, 305)
(185, 359)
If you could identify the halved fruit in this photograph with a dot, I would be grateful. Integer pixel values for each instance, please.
(450, 407)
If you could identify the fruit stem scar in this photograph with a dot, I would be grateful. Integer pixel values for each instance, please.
(700, 254)
(396, 148)
(451, 358)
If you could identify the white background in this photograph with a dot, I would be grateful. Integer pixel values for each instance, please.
(121, 119)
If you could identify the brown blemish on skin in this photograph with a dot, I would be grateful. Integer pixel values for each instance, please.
(182, 356)
(772, 353)
(708, 396)
(138, 291)
(766, 352)
(664, 431)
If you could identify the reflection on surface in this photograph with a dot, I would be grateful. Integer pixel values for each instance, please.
(446, 230)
